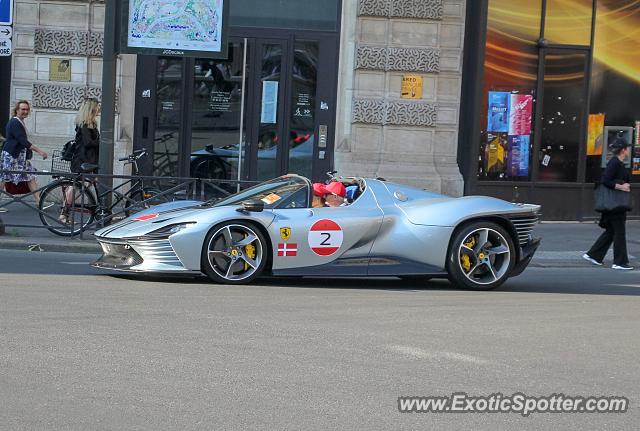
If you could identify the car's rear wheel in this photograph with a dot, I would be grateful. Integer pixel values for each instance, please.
(481, 256)
(234, 253)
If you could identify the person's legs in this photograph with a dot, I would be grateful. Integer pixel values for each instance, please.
(33, 186)
(620, 256)
(599, 249)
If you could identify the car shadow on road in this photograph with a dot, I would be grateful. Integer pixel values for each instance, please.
(399, 285)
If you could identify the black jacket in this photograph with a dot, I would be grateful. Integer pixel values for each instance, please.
(88, 146)
(16, 138)
(615, 173)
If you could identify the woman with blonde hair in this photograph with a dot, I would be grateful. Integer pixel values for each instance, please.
(87, 135)
(87, 146)
(18, 151)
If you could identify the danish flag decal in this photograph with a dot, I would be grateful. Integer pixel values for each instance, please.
(287, 249)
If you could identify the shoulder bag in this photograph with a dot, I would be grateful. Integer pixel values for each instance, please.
(607, 199)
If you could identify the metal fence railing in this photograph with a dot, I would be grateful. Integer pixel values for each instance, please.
(98, 200)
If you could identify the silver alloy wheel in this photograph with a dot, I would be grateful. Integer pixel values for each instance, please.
(235, 252)
(484, 256)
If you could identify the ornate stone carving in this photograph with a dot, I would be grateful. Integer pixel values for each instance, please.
(424, 9)
(68, 42)
(413, 59)
(402, 59)
(96, 44)
(370, 111)
(380, 111)
(427, 9)
(371, 57)
(61, 96)
(411, 114)
(374, 7)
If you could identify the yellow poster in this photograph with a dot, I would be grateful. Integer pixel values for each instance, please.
(59, 69)
(411, 87)
(595, 134)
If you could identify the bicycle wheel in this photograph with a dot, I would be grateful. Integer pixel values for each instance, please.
(65, 211)
(151, 196)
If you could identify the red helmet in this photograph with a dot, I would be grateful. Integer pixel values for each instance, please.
(336, 188)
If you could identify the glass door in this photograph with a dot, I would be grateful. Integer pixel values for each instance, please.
(260, 113)
(217, 123)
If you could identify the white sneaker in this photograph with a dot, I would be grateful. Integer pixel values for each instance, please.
(590, 259)
(626, 267)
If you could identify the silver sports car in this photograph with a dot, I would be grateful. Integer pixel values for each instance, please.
(383, 229)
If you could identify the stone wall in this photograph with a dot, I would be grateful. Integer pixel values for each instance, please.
(70, 30)
(412, 141)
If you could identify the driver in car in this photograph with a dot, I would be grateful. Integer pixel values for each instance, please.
(335, 194)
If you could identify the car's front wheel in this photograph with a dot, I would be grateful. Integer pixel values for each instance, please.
(481, 256)
(234, 253)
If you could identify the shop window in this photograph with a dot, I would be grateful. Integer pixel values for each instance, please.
(510, 78)
(615, 79)
(563, 113)
(568, 22)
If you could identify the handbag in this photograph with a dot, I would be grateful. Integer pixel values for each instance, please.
(29, 155)
(611, 199)
(22, 188)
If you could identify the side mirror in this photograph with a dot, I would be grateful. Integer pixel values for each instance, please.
(255, 206)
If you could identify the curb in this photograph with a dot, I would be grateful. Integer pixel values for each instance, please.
(35, 244)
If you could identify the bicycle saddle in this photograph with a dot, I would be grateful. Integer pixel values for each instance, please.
(88, 167)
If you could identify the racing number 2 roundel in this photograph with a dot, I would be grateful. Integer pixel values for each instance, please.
(325, 237)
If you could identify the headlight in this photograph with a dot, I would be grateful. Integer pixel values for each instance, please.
(167, 231)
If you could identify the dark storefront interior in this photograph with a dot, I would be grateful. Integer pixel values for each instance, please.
(265, 110)
(547, 83)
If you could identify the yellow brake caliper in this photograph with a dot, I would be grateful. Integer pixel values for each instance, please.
(250, 251)
(465, 261)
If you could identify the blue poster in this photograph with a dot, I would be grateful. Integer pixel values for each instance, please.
(269, 102)
(518, 157)
(498, 115)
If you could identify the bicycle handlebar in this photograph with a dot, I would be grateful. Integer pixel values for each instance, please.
(135, 156)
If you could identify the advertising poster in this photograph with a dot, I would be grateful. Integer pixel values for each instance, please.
(498, 111)
(518, 156)
(636, 150)
(495, 153)
(520, 109)
(595, 135)
(269, 102)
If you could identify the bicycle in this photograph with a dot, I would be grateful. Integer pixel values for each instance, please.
(68, 205)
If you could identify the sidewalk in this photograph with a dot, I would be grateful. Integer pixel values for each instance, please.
(563, 243)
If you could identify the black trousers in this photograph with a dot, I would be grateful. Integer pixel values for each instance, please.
(615, 231)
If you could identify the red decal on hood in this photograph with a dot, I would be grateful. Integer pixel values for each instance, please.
(147, 217)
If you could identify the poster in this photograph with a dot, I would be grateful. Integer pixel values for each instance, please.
(495, 153)
(176, 27)
(520, 109)
(635, 163)
(595, 134)
(498, 112)
(518, 156)
(220, 101)
(269, 102)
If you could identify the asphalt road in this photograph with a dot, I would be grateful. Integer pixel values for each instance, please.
(83, 349)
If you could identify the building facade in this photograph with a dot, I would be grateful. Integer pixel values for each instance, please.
(547, 85)
(308, 86)
(510, 98)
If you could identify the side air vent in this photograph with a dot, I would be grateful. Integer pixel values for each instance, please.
(524, 225)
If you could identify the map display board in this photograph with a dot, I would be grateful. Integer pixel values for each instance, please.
(186, 28)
